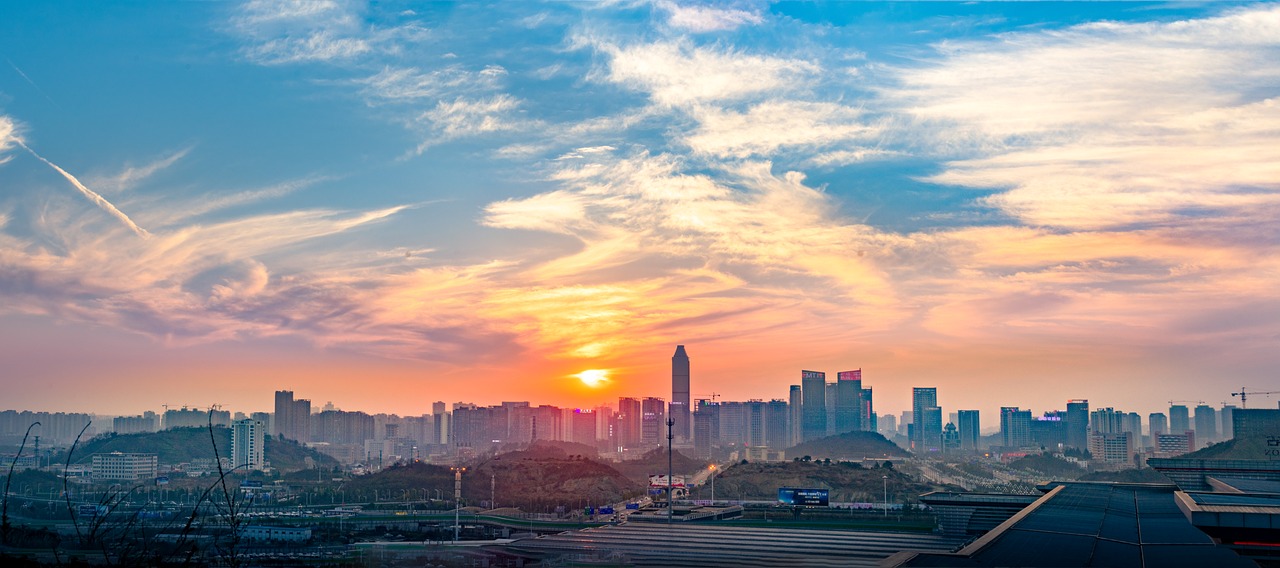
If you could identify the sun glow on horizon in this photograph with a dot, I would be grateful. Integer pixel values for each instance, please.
(594, 377)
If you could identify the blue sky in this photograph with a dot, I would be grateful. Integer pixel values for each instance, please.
(373, 204)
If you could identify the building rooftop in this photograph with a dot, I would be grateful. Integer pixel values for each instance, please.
(723, 544)
(1091, 524)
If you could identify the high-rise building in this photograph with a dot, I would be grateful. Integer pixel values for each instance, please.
(777, 425)
(931, 427)
(1078, 424)
(795, 404)
(440, 419)
(653, 422)
(706, 428)
(923, 398)
(1206, 425)
(830, 399)
(1158, 424)
(248, 445)
(888, 425)
(680, 394)
(848, 402)
(1015, 427)
(630, 420)
(814, 411)
(869, 419)
(1225, 422)
(969, 429)
(1050, 430)
(292, 417)
(1179, 419)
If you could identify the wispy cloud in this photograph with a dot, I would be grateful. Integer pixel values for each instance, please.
(1110, 124)
(89, 193)
(132, 175)
(707, 18)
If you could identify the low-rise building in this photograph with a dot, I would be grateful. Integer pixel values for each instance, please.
(118, 466)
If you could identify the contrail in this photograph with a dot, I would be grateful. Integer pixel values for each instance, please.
(92, 195)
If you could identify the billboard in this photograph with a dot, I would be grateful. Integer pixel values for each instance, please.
(796, 497)
(661, 481)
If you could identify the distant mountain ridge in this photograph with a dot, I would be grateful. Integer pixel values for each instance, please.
(182, 445)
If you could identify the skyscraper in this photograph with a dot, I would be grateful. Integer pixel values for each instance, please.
(292, 417)
(680, 394)
(653, 422)
(795, 403)
(848, 403)
(1158, 424)
(1015, 427)
(629, 422)
(1179, 419)
(925, 428)
(814, 411)
(706, 428)
(970, 430)
(1078, 424)
(1206, 425)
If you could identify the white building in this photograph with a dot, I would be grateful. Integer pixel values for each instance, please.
(247, 441)
(117, 466)
(276, 534)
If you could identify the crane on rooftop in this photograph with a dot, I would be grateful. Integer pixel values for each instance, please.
(1244, 396)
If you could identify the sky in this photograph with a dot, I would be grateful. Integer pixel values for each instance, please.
(384, 205)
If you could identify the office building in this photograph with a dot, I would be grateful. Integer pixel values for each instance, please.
(1255, 423)
(1078, 424)
(1050, 430)
(923, 398)
(680, 394)
(630, 419)
(653, 422)
(969, 429)
(848, 401)
(1015, 427)
(1206, 425)
(814, 410)
(1179, 419)
(1158, 424)
(248, 445)
(795, 404)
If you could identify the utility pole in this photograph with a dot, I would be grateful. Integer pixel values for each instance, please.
(670, 494)
(493, 491)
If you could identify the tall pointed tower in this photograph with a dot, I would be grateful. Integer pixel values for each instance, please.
(680, 394)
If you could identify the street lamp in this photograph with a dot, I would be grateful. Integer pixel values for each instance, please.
(713, 485)
(457, 499)
(886, 496)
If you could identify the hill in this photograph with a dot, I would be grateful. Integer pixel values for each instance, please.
(1048, 465)
(1237, 449)
(848, 446)
(536, 480)
(1144, 475)
(182, 445)
(848, 482)
(655, 462)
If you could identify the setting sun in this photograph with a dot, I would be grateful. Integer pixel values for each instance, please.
(594, 377)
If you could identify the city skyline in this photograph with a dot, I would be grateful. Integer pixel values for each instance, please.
(385, 207)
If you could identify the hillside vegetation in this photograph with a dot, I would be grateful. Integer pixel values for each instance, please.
(1048, 465)
(847, 482)
(536, 480)
(655, 462)
(848, 446)
(182, 445)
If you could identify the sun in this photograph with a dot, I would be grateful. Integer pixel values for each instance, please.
(594, 377)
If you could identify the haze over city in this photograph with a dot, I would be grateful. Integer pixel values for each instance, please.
(383, 207)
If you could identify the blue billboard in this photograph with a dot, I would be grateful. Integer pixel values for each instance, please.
(796, 497)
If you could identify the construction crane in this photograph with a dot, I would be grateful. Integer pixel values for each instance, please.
(1173, 402)
(1244, 396)
(713, 396)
